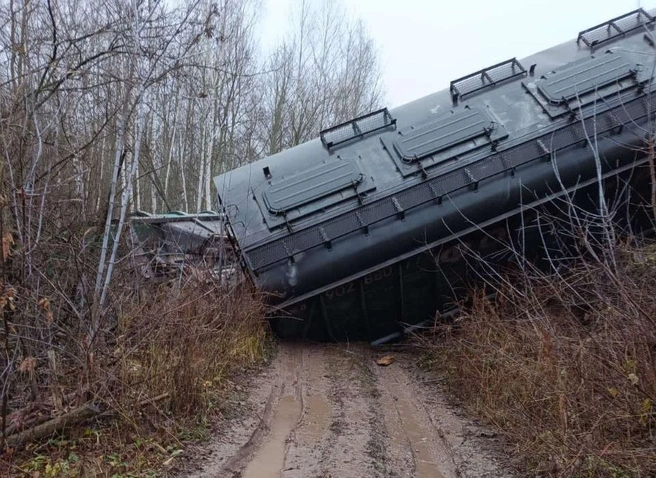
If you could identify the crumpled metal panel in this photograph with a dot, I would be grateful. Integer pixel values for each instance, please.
(165, 243)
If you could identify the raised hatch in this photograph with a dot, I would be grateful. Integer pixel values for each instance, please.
(580, 78)
(313, 185)
(443, 133)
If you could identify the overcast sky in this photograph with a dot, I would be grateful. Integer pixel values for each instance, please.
(424, 44)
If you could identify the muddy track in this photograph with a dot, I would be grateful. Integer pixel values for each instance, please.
(330, 411)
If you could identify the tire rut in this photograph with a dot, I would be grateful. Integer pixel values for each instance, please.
(269, 459)
(331, 412)
(335, 438)
(411, 429)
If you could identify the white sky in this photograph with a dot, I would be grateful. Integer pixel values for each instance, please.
(424, 44)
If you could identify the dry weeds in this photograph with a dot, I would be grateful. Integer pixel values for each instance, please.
(159, 375)
(564, 366)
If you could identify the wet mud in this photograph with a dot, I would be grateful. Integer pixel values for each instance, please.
(328, 411)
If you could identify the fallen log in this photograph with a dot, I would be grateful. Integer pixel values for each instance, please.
(29, 422)
(34, 414)
(75, 416)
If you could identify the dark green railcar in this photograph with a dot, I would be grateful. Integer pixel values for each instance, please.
(383, 221)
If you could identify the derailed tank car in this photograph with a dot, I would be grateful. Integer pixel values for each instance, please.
(370, 229)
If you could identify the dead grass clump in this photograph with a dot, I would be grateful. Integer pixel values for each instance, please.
(180, 347)
(168, 362)
(564, 366)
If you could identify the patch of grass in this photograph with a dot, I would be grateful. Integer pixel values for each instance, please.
(564, 366)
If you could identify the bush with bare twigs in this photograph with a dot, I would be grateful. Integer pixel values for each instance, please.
(163, 365)
(184, 344)
(564, 365)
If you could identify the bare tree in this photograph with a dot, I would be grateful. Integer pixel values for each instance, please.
(107, 106)
(325, 74)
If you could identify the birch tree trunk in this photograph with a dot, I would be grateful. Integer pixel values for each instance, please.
(125, 197)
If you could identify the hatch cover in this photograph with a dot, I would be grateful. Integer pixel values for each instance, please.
(326, 185)
(311, 185)
(584, 77)
(444, 133)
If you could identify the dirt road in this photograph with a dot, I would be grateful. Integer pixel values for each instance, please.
(330, 411)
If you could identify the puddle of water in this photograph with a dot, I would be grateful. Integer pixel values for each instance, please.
(315, 421)
(269, 460)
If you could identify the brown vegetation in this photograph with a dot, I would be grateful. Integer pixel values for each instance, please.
(162, 371)
(564, 366)
(183, 344)
(112, 106)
